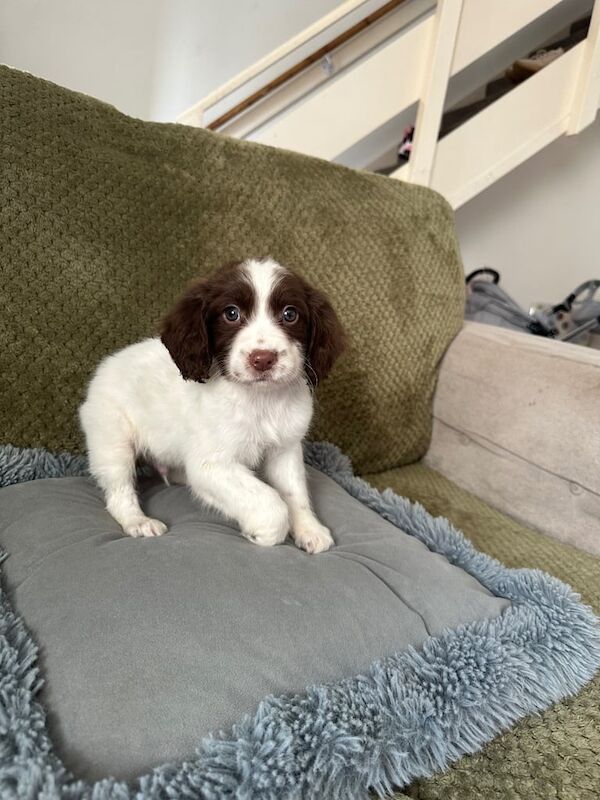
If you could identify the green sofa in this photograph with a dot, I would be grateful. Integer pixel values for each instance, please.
(103, 219)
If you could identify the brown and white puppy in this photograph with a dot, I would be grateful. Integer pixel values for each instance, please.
(224, 391)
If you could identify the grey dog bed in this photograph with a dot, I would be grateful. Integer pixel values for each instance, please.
(416, 647)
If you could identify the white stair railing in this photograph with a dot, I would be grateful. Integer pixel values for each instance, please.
(415, 67)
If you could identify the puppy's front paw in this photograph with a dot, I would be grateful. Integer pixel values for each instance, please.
(145, 526)
(311, 536)
(267, 525)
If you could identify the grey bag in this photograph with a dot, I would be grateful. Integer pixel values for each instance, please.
(487, 302)
(569, 321)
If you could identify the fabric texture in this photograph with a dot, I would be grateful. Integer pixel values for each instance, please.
(407, 715)
(104, 219)
(550, 755)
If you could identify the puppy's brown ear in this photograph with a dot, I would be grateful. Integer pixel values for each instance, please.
(327, 340)
(184, 332)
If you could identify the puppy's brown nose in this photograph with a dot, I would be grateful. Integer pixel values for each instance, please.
(262, 360)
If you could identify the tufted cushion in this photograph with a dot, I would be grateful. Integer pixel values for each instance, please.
(104, 219)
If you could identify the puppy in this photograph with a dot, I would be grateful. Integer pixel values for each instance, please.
(224, 391)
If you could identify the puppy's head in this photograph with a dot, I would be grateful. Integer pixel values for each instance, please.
(253, 322)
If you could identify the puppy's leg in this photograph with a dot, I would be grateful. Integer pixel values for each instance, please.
(285, 471)
(238, 493)
(111, 457)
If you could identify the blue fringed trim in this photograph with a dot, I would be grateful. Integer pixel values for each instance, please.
(21, 464)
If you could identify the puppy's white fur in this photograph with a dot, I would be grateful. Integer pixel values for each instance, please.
(212, 435)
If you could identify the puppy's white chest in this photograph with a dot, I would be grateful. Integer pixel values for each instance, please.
(256, 431)
(265, 422)
(251, 449)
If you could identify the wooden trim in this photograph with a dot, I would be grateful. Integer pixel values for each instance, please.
(304, 64)
(433, 93)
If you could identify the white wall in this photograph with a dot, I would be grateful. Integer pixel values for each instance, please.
(105, 48)
(540, 224)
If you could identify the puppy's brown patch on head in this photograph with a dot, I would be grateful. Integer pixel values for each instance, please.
(316, 326)
(199, 329)
(290, 293)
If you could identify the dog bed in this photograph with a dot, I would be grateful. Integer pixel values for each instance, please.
(414, 647)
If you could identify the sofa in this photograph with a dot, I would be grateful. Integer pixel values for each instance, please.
(105, 218)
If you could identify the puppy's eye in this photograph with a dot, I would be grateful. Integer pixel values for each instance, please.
(232, 314)
(290, 314)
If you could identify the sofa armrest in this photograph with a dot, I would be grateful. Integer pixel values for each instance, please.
(517, 422)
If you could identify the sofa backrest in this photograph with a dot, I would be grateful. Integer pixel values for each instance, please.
(104, 219)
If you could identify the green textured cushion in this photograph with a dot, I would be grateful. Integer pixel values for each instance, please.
(551, 755)
(104, 219)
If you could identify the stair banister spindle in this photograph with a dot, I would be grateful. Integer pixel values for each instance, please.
(586, 95)
(437, 71)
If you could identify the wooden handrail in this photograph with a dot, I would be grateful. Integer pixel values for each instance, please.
(286, 76)
(276, 55)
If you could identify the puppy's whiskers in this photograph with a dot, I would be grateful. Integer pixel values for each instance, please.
(314, 380)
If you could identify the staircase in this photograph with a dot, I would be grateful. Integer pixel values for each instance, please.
(400, 58)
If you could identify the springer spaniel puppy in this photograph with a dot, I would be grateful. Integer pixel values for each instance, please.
(224, 391)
